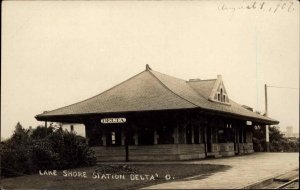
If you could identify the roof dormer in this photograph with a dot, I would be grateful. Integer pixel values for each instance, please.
(219, 93)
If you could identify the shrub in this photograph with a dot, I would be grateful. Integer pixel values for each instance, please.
(73, 151)
(258, 145)
(15, 158)
(26, 153)
(277, 142)
(15, 153)
(41, 132)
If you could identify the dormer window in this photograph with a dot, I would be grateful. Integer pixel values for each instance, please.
(219, 93)
(221, 96)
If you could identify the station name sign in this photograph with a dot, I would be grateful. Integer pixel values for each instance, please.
(113, 120)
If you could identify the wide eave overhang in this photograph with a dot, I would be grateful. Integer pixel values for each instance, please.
(83, 117)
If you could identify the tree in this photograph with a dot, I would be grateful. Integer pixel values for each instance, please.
(275, 135)
(278, 143)
(20, 134)
(41, 132)
(15, 155)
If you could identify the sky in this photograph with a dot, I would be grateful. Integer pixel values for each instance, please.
(56, 53)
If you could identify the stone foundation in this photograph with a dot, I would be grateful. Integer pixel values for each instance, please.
(215, 151)
(248, 148)
(227, 149)
(163, 152)
(151, 152)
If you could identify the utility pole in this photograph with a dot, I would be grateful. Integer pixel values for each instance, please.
(126, 147)
(0, 154)
(45, 128)
(266, 114)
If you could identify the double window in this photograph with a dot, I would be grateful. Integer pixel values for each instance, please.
(221, 96)
(113, 138)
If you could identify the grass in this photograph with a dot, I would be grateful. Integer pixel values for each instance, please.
(130, 176)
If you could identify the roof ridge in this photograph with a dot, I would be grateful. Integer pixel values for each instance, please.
(95, 95)
(166, 87)
(201, 80)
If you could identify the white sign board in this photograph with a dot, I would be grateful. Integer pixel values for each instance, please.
(113, 120)
(249, 122)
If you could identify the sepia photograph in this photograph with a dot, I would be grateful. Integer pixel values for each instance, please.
(150, 94)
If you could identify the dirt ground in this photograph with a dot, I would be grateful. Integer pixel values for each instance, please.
(112, 176)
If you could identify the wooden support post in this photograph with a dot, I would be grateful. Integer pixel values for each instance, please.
(238, 139)
(243, 131)
(156, 136)
(235, 140)
(205, 140)
(226, 128)
(136, 138)
(193, 135)
(234, 134)
(126, 145)
(123, 137)
(184, 134)
(176, 135)
(211, 139)
(104, 140)
(199, 131)
(211, 134)
(216, 133)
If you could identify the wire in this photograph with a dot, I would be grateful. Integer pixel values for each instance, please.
(282, 87)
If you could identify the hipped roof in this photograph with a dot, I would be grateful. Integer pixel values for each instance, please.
(150, 91)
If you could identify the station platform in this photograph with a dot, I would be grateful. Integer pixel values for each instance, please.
(245, 170)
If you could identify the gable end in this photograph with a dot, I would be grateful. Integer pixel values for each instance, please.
(219, 93)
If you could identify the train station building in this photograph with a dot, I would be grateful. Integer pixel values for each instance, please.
(154, 116)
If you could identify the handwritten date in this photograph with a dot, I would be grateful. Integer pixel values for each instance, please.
(271, 7)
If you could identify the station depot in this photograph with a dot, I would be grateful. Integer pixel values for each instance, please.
(154, 116)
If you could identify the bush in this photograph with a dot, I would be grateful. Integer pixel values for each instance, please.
(73, 150)
(277, 142)
(15, 159)
(258, 145)
(41, 132)
(27, 152)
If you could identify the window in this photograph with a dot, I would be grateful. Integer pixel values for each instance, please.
(222, 95)
(113, 138)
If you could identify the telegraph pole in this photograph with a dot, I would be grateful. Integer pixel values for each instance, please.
(266, 114)
(267, 126)
(45, 128)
